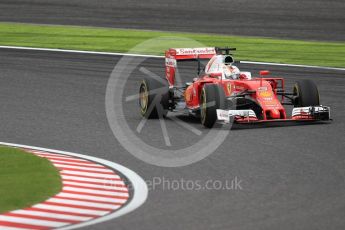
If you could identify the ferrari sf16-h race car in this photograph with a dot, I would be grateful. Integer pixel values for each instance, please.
(222, 93)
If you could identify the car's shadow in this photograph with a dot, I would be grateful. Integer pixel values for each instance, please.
(235, 126)
(276, 124)
(188, 119)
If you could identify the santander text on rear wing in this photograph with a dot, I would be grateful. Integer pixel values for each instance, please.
(178, 54)
(190, 53)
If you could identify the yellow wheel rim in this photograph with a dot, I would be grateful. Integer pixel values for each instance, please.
(203, 106)
(143, 98)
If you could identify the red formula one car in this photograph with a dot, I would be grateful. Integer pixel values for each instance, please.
(222, 93)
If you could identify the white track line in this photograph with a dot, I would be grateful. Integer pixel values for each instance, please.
(293, 65)
(23, 220)
(76, 163)
(84, 203)
(82, 168)
(91, 197)
(88, 185)
(95, 192)
(104, 181)
(70, 209)
(80, 51)
(158, 56)
(100, 175)
(61, 158)
(11, 228)
(48, 154)
(52, 215)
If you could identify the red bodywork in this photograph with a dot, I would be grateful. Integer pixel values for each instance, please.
(264, 89)
(265, 93)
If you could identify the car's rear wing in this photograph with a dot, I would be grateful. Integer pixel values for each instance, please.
(173, 55)
(190, 53)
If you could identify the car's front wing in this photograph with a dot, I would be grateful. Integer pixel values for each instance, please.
(311, 113)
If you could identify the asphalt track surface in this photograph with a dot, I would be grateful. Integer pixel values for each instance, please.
(292, 177)
(311, 19)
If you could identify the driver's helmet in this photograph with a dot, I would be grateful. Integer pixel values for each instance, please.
(231, 72)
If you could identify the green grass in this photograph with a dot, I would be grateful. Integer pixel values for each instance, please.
(121, 40)
(25, 179)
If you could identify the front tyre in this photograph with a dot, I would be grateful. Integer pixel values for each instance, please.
(306, 94)
(212, 98)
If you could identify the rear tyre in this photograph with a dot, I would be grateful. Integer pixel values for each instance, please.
(306, 94)
(212, 98)
(153, 98)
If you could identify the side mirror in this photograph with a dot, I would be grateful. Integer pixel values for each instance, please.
(264, 72)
